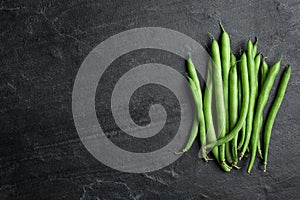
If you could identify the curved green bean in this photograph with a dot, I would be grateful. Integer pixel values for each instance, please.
(273, 112)
(198, 99)
(262, 100)
(194, 129)
(244, 107)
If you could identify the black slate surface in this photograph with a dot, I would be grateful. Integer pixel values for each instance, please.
(43, 44)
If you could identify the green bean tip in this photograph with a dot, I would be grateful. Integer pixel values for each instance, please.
(241, 156)
(206, 158)
(281, 56)
(256, 39)
(265, 167)
(221, 25)
(180, 152)
(225, 167)
(211, 36)
(235, 166)
(264, 57)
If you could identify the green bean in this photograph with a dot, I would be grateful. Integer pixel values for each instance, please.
(257, 65)
(207, 109)
(253, 91)
(194, 77)
(194, 129)
(264, 70)
(273, 112)
(225, 59)
(262, 100)
(218, 89)
(244, 108)
(233, 106)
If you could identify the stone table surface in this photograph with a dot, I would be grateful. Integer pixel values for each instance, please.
(43, 44)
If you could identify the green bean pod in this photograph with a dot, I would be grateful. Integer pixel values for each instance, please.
(194, 129)
(225, 61)
(253, 91)
(218, 89)
(202, 131)
(273, 112)
(263, 70)
(233, 106)
(244, 107)
(257, 65)
(262, 100)
(263, 73)
(207, 109)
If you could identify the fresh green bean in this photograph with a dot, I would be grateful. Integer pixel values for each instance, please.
(207, 109)
(262, 100)
(194, 129)
(233, 106)
(194, 77)
(253, 91)
(244, 108)
(218, 89)
(273, 112)
(225, 61)
(264, 70)
(257, 65)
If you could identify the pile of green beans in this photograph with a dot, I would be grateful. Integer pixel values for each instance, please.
(241, 87)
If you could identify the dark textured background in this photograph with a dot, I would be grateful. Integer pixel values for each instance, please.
(42, 46)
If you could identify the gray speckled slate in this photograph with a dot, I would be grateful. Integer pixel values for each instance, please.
(42, 46)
